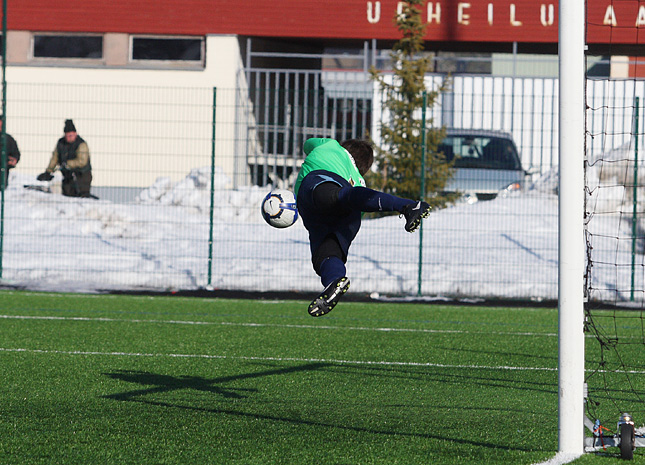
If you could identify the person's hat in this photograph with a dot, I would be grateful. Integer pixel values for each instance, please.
(69, 126)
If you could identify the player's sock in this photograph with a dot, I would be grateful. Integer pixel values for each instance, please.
(331, 269)
(369, 200)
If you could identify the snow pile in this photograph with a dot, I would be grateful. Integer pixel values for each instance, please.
(195, 191)
(504, 248)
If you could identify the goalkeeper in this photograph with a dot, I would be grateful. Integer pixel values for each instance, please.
(331, 197)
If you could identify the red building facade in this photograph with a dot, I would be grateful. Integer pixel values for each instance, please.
(496, 21)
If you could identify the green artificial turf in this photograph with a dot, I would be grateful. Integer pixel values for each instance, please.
(174, 380)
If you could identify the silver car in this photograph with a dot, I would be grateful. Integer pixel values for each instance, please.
(486, 163)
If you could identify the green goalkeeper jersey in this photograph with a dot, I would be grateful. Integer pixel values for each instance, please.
(328, 155)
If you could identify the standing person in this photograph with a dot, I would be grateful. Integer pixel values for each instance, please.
(13, 154)
(331, 197)
(72, 155)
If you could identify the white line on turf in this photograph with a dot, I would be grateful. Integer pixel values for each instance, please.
(560, 459)
(298, 359)
(271, 325)
(277, 359)
(306, 360)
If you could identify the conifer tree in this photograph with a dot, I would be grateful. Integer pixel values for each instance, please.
(399, 157)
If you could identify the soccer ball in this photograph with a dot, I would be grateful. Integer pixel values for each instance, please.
(279, 208)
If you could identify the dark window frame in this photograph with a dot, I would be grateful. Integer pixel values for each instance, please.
(157, 57)
(84, 50)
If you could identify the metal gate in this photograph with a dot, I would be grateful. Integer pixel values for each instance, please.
(291, 106)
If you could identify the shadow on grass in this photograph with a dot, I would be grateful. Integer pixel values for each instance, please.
(157, 383)
(165, 383)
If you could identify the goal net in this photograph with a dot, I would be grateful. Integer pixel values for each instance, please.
(615, 215)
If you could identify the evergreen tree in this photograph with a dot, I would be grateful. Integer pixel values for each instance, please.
(399, 157)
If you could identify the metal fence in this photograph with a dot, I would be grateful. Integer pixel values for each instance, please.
(180, 174)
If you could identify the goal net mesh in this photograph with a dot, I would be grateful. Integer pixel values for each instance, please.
(615, 214)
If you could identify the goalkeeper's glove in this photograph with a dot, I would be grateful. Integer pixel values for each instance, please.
(46, 176)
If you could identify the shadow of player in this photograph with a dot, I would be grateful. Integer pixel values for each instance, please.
(157, 383)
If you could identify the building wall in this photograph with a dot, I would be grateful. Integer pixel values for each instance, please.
(499, 21)
(146, 121)
(42, 94)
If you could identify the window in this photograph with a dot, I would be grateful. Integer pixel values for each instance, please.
(68, 46)
(168, 49)
(456, 63)
(483, 152)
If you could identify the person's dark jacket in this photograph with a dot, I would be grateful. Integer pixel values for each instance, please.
(71, 157)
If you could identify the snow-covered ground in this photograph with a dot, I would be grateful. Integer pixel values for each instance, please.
(505, 248)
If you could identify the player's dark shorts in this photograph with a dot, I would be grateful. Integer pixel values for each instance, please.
(331, 228)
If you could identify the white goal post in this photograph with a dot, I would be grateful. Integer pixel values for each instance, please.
(571, 39)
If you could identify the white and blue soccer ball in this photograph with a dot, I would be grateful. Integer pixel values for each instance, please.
(279, 208)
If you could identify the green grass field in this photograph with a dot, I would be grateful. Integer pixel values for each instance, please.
(173, 380)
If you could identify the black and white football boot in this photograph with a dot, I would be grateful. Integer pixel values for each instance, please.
(414, 213)
(328, 298)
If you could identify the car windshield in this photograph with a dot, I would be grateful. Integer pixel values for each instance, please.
(483, 152)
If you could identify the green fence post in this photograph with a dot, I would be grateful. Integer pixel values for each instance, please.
(635, 195)
(423, 185)
(210, 224)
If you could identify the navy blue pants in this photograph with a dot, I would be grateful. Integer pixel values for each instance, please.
(331, 210)
(336, 227)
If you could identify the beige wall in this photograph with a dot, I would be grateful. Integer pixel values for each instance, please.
(140, 124)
